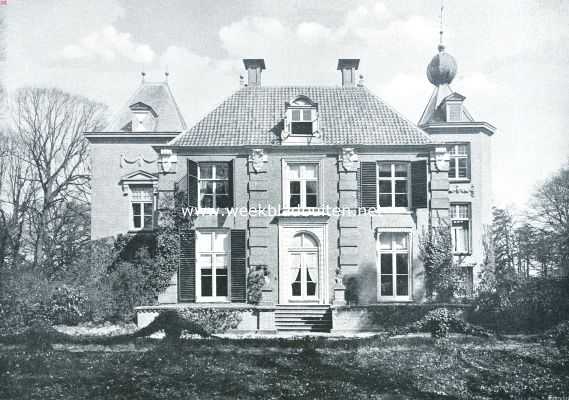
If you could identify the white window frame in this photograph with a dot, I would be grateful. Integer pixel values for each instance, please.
(214, 180)
(301, 104)
(464, 220)
(456, 157)
(394, 252)
(394, 179)
(201, 233)
(286, 184)
(133, 201)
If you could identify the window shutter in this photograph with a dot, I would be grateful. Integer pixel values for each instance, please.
(368, 184)
(419, 184)
(192, 184)
(187, 266)
(231, 186)
(238, 265)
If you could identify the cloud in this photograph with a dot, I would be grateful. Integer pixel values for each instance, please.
(108, 44)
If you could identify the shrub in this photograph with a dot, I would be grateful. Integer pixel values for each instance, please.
(255, 284)
(529, 306)
(560, 334)
(212, 320)
(200, 321)
(443, 280)
(440, 322)
(67, 305)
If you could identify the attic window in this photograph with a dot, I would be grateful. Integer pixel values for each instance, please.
(143, 117)
(301, 117)
(454, 111)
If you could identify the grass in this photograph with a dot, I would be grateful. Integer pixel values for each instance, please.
(410, 367)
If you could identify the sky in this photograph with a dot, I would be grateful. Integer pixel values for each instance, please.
(513, 59)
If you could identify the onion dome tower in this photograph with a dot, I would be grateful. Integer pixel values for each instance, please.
(441, 71)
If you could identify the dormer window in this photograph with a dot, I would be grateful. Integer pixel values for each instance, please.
(454, 111)
(301, 117)
(301, 122)
(143, 118)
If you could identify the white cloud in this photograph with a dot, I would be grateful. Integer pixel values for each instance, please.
(108, 44)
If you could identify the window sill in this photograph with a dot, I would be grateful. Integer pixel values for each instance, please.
(459, 180)
(145, 230)
(394, 300)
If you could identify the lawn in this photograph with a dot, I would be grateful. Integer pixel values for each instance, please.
(410, 367)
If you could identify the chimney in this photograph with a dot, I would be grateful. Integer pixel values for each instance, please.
(254, 66)
(348, 67)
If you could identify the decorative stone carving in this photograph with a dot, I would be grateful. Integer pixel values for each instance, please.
(167, 159)
(138, 160)
(442, 158)
(462, 189)
(257, 159)
(348, 158)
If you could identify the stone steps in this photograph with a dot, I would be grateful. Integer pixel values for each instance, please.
(303, 318)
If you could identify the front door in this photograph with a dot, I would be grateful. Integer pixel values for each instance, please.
(303, 269)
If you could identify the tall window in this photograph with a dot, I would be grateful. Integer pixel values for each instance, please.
(141, 206)
(214, 185)
(460, 229)
(301, 122)
(394, 265)
(302, 185)
(213, 265)
(459, 161)
(393, 184)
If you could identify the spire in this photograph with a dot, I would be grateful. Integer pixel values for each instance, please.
(143, 76)
(441, 29)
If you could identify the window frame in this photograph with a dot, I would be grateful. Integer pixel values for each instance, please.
(212, 253)
(301, 104)
(215, 181)
(286, 184)
(393, 179)
(456, 157)
(463, 220)
(393, 251)
(142, 214)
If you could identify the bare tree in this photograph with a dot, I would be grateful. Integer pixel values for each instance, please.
(551, 216)
(49, 124)
(18, 198)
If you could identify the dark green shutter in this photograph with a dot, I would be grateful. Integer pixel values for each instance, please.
(187, 266)
(419, 184)
(192, 184)
(368, 184)
(238, 265)
(231, 186)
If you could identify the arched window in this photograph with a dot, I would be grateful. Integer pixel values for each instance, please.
(303, 266)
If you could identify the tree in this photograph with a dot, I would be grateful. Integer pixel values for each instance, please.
(443, 280)
(49, 124)
(551, 216)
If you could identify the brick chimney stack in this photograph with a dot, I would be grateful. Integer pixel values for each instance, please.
(348, 67)
(254, 67)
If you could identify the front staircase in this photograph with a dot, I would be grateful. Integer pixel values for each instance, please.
(303, 318)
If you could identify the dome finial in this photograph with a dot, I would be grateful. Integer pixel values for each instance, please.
(442, 68)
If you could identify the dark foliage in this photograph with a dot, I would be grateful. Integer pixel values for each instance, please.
(529, 306)
(255, 284)
(442, 277)
(440, 323)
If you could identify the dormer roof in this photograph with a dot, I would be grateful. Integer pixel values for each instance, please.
(155, 97)
(435, 112)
